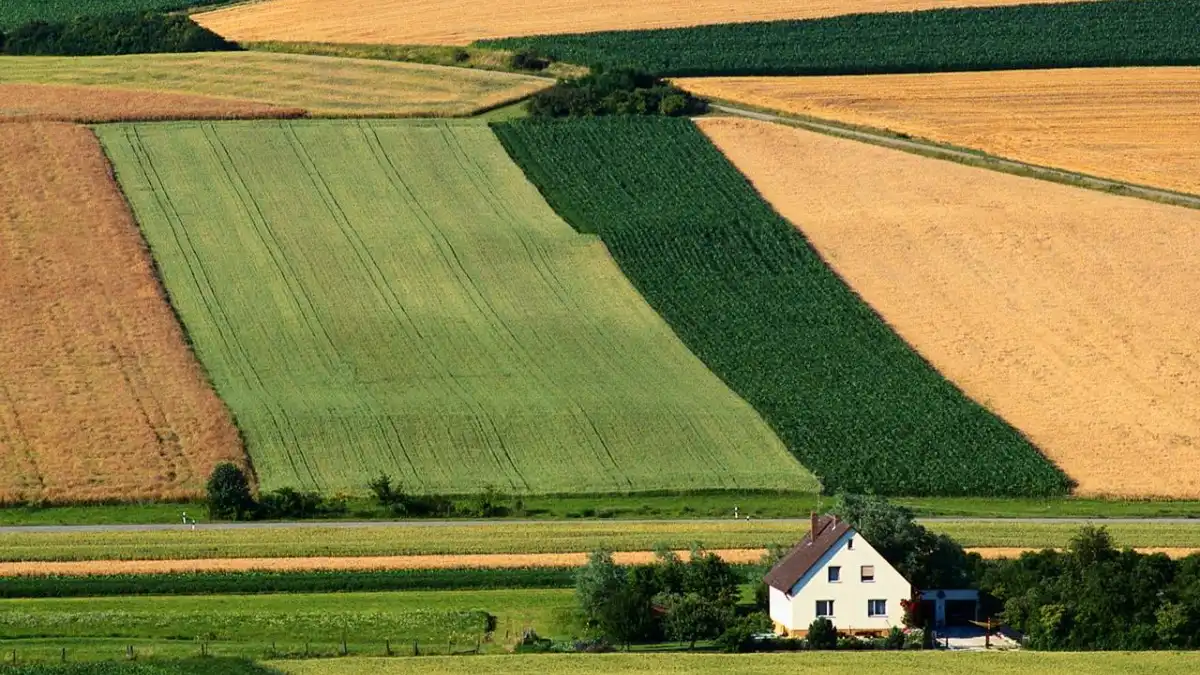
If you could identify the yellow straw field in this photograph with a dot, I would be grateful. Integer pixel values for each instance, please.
(1136, 125)
(28, 102)
(322, 85)
(458, 22)
(99, 396)
(1069, 312)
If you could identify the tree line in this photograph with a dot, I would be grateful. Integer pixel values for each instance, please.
(128, 33)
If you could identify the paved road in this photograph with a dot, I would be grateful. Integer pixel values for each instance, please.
(974, 159)
(800, 523)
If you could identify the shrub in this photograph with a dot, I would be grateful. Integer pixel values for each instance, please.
(229, 496)
(739, 636)
(822, 634)
(615, 92)
(527, 59)
(894, 639)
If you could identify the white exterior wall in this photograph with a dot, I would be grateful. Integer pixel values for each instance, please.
(850, 595)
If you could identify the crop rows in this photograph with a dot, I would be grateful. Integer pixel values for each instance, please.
(1110, 33)
(751, 298)
(450, 329)
(17, 12)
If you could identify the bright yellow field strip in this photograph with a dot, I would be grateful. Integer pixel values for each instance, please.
(459, 22)
(1136, 125)
(1070, 313)
(325, 86)
(817, 663)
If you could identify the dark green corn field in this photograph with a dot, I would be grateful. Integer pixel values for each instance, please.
(749, 296)
(1082, 34)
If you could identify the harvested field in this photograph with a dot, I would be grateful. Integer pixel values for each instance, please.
(99, 396)
(399, 562)
(493, 561)
(1131, 124)
(450, 329)
(90, 105)
(1070, 313)
(457, 22)
(322, 85)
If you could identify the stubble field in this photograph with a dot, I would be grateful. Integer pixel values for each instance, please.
(33, 102)
(99, 396)
(395, 297)
(322, 85)
(1068, 312)
(458, 22)
(1130, 124)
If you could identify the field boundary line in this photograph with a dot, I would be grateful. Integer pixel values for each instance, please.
(975, 158)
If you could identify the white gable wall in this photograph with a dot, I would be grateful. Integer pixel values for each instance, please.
(796, 610)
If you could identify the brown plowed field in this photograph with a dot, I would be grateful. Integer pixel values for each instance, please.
(1136, 125)
(99, 396)
(404, 562)
(1071, 313)
(458, 22)
(90, 105)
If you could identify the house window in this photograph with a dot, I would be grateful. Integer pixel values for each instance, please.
(868, 573)
(824, 608)
(877, 608)
(850, 543)
(835, 574)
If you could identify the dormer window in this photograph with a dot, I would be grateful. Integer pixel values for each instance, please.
(835, 574)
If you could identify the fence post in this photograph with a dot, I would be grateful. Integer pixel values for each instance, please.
(345, 650)
(63, 656)
(306, 648)
(416, 649)
(387, 647)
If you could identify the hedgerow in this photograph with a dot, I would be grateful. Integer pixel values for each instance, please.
(1110, 33)
(750, 297)
(230, 583)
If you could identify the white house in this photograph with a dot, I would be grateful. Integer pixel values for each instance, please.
(835, 573)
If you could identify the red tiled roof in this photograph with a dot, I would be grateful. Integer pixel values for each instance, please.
(793, 566)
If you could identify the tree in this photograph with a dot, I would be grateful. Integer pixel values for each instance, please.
(822, 634)
(925, 559)
(229, 496)
(710, 577)
(626, 615)
(692, 617)
(596, 583)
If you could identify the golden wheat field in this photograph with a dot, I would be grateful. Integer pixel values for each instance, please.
(458, 22)
(1136, 125)
(30, 102)
(99, 396)
(1071, 313)
(322, 85)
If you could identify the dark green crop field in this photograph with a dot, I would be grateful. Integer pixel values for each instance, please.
(754, 301)
(1110, 33)
(16, 12)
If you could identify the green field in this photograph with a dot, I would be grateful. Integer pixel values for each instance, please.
(746, 292)
(547, 537)
(16, 12)
(395, 296)
(818, 663)
(247, 625)
(190, 666)
(1110, 33)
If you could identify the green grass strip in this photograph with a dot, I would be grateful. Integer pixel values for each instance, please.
(750, 297)
(1068, 35)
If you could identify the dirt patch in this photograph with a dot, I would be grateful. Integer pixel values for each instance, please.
(1136, 125)
(1070, 313)
(406, 562)
(99, 396)
(98, 104)
(459, 22)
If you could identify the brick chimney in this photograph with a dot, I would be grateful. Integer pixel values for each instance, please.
(813, 530)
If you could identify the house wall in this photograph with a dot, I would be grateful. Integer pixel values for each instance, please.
(850, 595)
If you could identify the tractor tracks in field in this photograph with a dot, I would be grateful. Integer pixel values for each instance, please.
(968, 157)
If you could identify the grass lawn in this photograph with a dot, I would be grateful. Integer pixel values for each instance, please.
(261, 625)
(819, 663)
